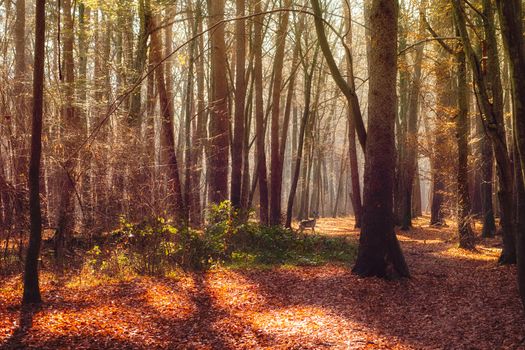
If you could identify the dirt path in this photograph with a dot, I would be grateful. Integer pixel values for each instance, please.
(455, 300)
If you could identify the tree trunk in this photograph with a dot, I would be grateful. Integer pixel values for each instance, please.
(259, 117)
(336, 74)
(200, 132)
(20, 137)
(378, 244)
(495, 128)
(240, 96)
(219, 123)
(73, 129)
(276, 164)
(139, 62)
(408, 165)
(466, 235)
(31, 284)
(352, 149)
(308, 77)
(166, 108)
(188, 150)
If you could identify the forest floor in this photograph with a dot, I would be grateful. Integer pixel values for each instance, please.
(454, 300)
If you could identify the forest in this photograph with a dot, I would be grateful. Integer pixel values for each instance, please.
(249, 174)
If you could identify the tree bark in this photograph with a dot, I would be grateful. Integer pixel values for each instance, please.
(336, 74)
(510, 14)
(219, 123)
(276, 172)
(409, 162)
(166, 107)
(31, 292)
(259, 117)
(378, 244)
(352, 149)
(73, 129)
(495, 128)
(240, 97)
(466, 235)
(308, 77)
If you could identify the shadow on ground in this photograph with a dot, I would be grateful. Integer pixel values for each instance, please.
(455, 300)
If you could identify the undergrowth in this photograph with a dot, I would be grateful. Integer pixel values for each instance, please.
(155, 246)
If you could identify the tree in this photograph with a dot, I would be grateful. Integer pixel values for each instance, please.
(276, 164)
(74, 127)
(466, 236)
(352, 149)
(489, 99)
(166, 107)
(31, 283)
(510, 12)
(219, 123)
(408, 156)
(240, 96)
(336, 73)
(305, 120)
(378, 244)
(259, 117)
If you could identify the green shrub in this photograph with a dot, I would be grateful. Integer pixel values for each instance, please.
(154, 245)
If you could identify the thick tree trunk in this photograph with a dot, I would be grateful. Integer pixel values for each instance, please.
(378, 244)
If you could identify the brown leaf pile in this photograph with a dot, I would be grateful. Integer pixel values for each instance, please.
(455, 300)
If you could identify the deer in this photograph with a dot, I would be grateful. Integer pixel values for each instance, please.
(309, 223)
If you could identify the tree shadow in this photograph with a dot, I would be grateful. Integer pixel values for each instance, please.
(127, 306)
(453, 301)
(25, 323)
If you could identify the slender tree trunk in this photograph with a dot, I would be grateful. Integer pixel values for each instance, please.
(219, 123)
(489, 223)
(276, 164)
(466, 235)
(259, 118)
(139, 61)
(240, 97)
(73, 127)
(495, 128)
(347, 90)
(166, 107)
(31, 284)
(200, 132)
(352, 149)
(19, 139)
(188, 150)
(408, 170)
(308, 77)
